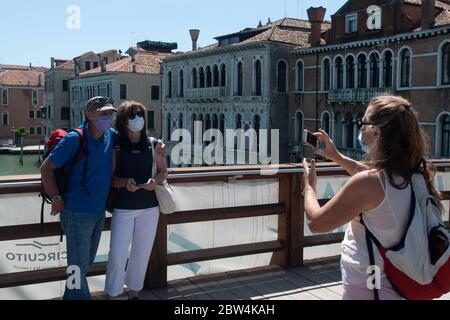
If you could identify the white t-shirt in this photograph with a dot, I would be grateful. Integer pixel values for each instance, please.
(388, 224)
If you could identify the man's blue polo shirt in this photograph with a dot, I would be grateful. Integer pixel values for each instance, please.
(99, 170)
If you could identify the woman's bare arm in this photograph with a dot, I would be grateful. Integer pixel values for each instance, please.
(361, 193)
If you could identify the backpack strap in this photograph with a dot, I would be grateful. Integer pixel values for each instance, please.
(369, 237)
(153, 144)
(82, 152)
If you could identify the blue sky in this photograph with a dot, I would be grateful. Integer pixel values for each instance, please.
(34, 31)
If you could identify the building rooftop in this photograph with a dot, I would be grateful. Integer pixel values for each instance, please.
(68, 65)
(288, 31)
(145, 62)
(15, 75)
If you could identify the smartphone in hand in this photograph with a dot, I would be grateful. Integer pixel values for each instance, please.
(310, 139)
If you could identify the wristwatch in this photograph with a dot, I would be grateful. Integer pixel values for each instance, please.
(57, 198)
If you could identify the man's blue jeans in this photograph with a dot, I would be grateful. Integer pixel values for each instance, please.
(83, 232)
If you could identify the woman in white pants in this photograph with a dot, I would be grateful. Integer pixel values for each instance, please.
(136, 209)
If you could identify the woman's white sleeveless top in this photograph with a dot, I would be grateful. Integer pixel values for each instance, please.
(387, 222)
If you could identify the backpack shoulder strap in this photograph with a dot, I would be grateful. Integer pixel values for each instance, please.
(153, 144)
(82, 152)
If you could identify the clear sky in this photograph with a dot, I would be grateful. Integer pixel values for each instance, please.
(34, 31)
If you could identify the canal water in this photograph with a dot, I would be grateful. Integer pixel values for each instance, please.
(10, 166)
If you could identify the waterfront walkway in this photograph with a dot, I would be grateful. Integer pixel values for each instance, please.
(319, 280)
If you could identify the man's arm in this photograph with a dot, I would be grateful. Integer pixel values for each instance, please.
(50, 185)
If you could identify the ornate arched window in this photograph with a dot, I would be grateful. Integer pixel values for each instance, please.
(362, 71)
(202, 77)
(374, 70)
(282, 77)
(258, 78)
(326, 75)
(350, 72)
(445, 65)
(240, 79)
(300, 76)
(339, 67)
(405, 68)
(388, 63)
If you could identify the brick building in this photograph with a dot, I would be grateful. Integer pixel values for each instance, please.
(399, 47)
(21, 96)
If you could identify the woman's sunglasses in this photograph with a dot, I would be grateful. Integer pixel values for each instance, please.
(133, 115)
(361, 123)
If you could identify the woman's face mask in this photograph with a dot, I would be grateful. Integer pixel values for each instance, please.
(364, 147)
(136, 124)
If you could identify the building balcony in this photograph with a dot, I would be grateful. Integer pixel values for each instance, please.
(206, 93)
(357, 95)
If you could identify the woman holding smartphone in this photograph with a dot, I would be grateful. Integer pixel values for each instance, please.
(136, 209)
(380, 189)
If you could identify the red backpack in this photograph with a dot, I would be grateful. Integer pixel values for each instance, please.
(62, 174)
(419, 266)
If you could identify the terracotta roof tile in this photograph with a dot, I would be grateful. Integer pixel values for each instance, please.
(29, 78)
(443, 18)
(69, 65)
(145, 63)
(439, 4)
(288, 31)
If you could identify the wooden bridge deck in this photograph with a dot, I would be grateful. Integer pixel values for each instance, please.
(314, 281)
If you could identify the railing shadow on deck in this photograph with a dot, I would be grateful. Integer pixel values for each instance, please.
(287, 249)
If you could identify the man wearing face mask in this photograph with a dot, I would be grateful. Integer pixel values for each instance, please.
(136, 209)
(82, 205)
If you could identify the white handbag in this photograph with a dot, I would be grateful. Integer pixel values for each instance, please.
(163, 191)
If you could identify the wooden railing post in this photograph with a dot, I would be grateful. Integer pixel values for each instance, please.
(297, 221)
(291, 223)
(282, 258)
(157, 268)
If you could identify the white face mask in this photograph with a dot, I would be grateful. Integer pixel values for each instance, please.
(364, 147)
(136, 125)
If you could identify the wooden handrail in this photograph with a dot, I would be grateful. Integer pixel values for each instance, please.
(223, 252)
(225, 213)
(287, 249)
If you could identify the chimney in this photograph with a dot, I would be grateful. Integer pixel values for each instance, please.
(260, 24)
(133, 61)
(31, 66)
(101, 60)
(194, 36)
(52, 62)
(268, 21)
(77, 68)
(428, 11)
(316, 16)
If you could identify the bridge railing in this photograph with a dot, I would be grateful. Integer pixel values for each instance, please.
(287, 248)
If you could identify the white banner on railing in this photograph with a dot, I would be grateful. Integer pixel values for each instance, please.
(42, 253)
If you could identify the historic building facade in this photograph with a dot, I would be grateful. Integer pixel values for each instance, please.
(56, 111)
(241, 82)
(21, 96)
(134, 77)
(373, 48)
